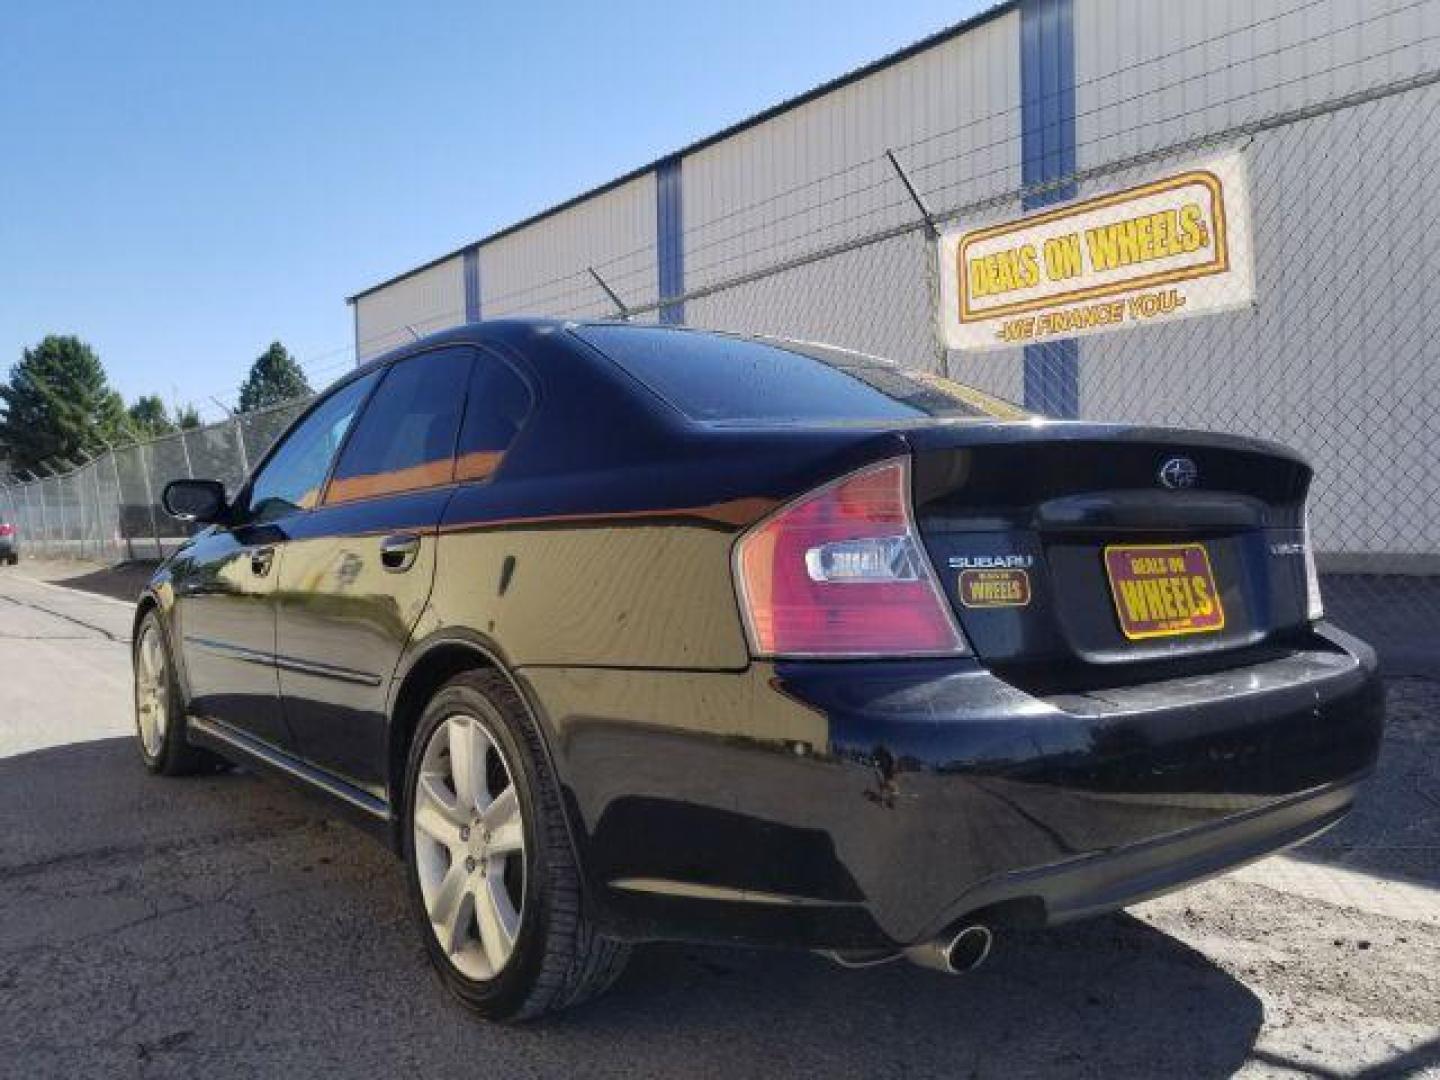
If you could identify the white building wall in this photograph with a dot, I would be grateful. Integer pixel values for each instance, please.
(1151, 73)
(816, 175)
(431, 300)
(541, 269)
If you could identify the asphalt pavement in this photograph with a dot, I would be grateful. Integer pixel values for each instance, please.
(230, 926)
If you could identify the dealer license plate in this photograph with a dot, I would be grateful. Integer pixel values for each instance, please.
(1163, 590)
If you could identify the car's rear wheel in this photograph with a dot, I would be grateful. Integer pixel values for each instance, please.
(159, 712)
(493, 881)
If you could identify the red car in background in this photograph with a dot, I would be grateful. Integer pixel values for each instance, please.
(9, 543)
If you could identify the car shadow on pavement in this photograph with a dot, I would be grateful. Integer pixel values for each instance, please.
(1394, 830)
(122, 581)
(231, 925)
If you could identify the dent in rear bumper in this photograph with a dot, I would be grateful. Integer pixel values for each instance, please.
(831, 804)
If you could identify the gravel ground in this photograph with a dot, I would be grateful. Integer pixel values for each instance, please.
(229, 926)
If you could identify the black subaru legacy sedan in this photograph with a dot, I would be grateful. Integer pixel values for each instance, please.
(625, 633)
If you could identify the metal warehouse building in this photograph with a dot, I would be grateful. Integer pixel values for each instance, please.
(819, 219)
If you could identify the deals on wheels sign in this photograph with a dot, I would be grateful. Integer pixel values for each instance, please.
(1167, 249)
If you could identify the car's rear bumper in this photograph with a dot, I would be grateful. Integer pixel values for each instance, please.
(1108, 880)
(879, 803)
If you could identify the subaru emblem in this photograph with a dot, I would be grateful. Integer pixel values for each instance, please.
(1179, 472)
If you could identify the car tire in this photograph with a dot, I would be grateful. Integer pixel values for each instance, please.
(517, 942)
(159, 711)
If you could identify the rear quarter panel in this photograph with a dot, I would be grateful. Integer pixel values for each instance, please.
(647, 589)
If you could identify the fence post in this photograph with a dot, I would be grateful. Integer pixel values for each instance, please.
(150, 499)
(79, 519)
(61, 538)
(119, 501)
(100, 543)
(87, 520)
(932, 262)
(79, 508)
(95, 513)
(240, 445)
(29, 509)
(44, 518)
(55, 508)
(64, 541)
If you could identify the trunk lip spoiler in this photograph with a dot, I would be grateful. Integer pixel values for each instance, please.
(945, 436)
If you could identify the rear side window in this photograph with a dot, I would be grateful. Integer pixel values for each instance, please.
(497, 405)
(405, 439)
(719, 378)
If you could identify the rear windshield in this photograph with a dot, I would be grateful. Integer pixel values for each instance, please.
(719, 378)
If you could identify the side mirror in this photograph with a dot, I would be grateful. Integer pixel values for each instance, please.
(201, 501)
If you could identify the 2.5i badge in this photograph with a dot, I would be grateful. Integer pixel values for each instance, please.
(994, 588)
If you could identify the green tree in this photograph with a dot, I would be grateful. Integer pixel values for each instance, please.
(57, 403)
(187, 417)
(148, 416)
(274, 378)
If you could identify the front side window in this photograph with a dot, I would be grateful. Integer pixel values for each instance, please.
(497, 405)
(293, 476)
(406, 439)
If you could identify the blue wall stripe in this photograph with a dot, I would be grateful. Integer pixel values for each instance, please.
(1047, 152)
(669, 238)
(472, 284)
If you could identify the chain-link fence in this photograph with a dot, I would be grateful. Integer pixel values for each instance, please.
(109, 510)
(1333, 110)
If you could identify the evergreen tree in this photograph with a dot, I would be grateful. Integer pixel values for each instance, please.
(274, 378)
(148, 416)
(57, 403)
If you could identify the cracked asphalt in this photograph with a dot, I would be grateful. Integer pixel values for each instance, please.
(230, 926)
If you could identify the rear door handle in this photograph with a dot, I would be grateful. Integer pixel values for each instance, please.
(397, 553)
(261, 560)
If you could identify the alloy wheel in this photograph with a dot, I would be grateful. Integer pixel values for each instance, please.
(152, 691)
(469, 840)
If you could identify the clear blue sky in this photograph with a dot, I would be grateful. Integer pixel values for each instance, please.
(182, 183)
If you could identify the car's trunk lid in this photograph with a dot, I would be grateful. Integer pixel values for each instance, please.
(1064, 551)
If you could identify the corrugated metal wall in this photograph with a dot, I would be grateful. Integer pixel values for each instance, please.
(541, 269)
(1155, 72)
(816, 175)
(429, 301)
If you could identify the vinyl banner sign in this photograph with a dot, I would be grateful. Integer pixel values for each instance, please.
(1174, 247)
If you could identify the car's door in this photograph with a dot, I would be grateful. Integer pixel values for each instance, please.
(224, 580)
(358, 570)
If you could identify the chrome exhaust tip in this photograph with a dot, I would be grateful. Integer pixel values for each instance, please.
(963, 952)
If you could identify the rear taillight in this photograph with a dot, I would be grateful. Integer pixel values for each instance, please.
(840, 572)
(6, 530)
